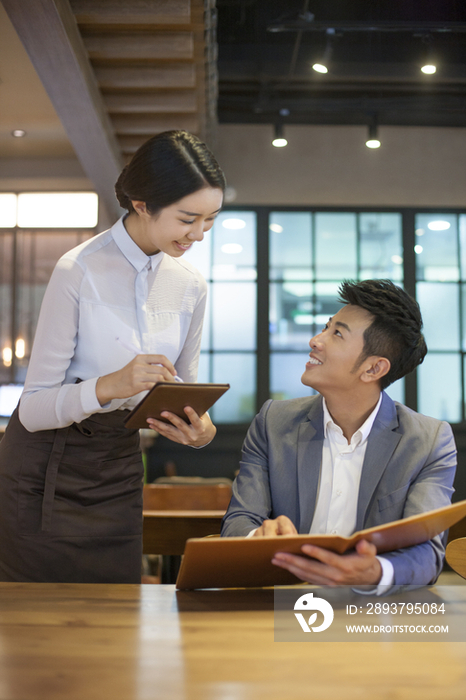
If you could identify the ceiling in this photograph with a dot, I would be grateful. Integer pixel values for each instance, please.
(96, 78)
(266, 52)
(116, 72)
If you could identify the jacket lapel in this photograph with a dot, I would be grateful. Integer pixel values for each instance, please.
(381, 444)
(310, 442)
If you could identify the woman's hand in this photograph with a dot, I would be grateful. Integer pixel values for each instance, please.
(198, 432)
(139, 375)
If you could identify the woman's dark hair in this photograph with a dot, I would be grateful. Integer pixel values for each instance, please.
(167, 168)
(395, 332)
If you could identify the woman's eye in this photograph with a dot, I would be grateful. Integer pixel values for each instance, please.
(187, 222)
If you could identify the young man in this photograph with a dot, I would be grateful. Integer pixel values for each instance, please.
(349, 458)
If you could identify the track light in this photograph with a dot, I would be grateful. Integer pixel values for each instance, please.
(429, 67)
(373, 138)
(322, 65)
(279, 140)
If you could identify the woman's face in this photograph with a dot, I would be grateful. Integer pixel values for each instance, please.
(175, 228)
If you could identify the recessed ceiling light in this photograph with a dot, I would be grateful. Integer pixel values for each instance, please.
(231, 248)
(18, 133)
(276, 228)
(397, 259)
(429, 69)
(418, 249)
(438, 225)
(233, 223)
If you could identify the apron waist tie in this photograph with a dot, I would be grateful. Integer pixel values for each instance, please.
(56, 455)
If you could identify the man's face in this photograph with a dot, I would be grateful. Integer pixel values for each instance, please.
(335, 352)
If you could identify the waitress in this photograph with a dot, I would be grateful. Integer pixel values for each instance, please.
(70, 472)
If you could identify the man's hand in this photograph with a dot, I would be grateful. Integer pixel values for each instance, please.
(280, 526)
(198, 432)
(329, 569)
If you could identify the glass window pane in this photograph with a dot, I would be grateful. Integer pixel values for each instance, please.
(239, 403)
(8, 203)
(286, 370)
(203, 372)
(234, 315)
(462, 227)
(381, 251)
(336, 253)
(440, 313)
(37, 253)
(463, 293)
(439, 387)
(57, 210)
(199, 255)
(327, 303)
(290, 245)
(436, 247)
(396, 391)
(291, 315)
(234, 246)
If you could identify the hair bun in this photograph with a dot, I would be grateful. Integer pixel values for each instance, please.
(123, 199)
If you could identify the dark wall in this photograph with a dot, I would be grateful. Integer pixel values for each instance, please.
(220, 458)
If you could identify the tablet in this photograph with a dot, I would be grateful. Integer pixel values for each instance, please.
(174, 397)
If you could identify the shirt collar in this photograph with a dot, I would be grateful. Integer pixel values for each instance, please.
(361, 435)
(132, 252)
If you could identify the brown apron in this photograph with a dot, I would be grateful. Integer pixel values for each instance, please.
(71, 502)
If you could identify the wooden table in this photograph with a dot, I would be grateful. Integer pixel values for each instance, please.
(129, 642)
(166, 531)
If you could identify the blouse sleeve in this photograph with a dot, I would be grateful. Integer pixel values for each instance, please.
(47, 402)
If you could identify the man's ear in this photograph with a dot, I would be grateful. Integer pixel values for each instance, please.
(140, 208)
(375, 368)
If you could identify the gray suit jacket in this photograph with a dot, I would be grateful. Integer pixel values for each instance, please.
(409, 467)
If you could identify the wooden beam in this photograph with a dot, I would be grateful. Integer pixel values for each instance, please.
(135, 12)
(174, 75)
(149, 124)
(48, 31)
(157, 102)
(138, 46)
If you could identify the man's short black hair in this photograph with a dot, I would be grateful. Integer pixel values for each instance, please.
(395, 332)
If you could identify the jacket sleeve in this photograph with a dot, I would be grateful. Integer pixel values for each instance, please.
(432, 488)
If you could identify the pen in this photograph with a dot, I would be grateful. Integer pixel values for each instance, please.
(133, 348)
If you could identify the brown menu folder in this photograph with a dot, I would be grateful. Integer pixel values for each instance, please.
(174, 397)
(239, 562)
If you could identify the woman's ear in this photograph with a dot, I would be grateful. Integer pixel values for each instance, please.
(377, 368)
(139, 207)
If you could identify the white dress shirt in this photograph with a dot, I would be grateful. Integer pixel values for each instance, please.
(340, 476)
(104, 289)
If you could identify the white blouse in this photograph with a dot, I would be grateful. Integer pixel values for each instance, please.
(104, 289)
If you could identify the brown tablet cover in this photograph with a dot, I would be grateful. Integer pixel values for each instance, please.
(240, 562)
(174, 397)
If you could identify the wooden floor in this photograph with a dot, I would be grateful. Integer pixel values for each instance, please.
(129, 642)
